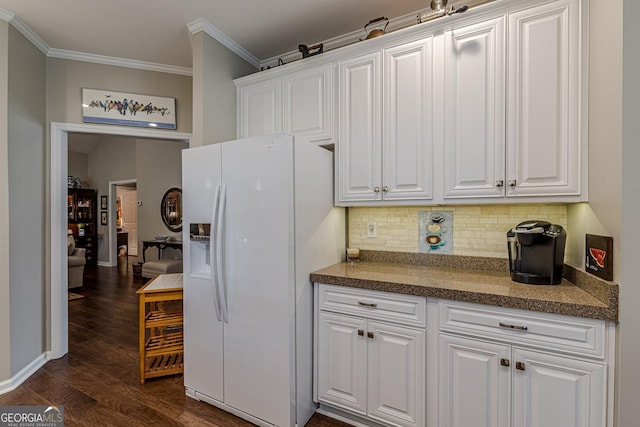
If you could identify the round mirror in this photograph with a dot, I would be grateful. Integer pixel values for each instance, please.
(171, 209)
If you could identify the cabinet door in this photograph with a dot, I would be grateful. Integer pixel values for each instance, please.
(342, 362)
(407, 171)
(396, 374)
(359, 148)
(543, 119)
(308, 108)
(556, 391)
(474, 383)
(260, 108)
(474, 135)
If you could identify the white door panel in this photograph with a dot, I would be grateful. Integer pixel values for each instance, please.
(474, 110)
(258, 338)
(475, 387)
(202, 329)
(396, 374)
(544, 100)
(359, 148)
(556, 391)
(408, 121)
(342, 361)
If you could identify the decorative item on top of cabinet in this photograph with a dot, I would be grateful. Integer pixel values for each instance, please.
(306, 50)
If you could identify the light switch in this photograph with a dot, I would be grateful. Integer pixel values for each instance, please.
(372, 230)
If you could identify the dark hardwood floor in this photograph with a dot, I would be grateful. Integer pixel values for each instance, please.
(97, 382)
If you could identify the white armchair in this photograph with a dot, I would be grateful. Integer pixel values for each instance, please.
(76, 261)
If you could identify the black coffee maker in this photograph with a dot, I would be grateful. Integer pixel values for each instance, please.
(536, 252)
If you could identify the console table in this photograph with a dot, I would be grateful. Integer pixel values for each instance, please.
(146, 244)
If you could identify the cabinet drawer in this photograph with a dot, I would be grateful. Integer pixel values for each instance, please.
(547, 331)
(404, 309)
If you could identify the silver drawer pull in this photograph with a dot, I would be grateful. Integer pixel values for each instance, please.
(367, 304)
(509, 326)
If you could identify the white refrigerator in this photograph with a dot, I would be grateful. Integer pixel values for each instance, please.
(258, 218)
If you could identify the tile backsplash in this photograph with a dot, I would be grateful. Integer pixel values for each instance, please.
(479, 230)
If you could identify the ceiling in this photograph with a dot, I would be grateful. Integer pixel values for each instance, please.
(156, 31)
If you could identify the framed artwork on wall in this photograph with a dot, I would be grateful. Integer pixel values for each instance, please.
(103, 202)
(103, 218)
(128, 109)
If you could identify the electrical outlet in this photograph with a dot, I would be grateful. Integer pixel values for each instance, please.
(372, 230)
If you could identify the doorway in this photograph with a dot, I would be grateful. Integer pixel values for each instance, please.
(58, 309)
(123, 228)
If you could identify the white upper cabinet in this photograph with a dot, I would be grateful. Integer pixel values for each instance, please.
(544, 139)
(260, 108)
(474, 118)
(299, 103)
(489, 106)
(528, 143)
(407, 121)
(308, 106)
(359, 153)
(385, 149)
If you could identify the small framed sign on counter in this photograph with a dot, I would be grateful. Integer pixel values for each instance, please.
(129, 109)
(599, 256)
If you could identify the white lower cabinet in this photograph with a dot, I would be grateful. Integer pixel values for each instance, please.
(475, 389)
(552, 390)
(377, 363)
(508, 380)
(371, 368)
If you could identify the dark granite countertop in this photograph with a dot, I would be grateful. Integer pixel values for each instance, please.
(464, 279)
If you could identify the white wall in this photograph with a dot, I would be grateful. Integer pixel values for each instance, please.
(66, 78)
(5, 348)
(27, 205)
(112, 159)
(156, 165)
(77, 164)
(629, 334)
(602, 215)
(214, 93)
(159, 168)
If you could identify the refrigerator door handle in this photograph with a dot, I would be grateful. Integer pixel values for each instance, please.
(220, 253)
(213, 255)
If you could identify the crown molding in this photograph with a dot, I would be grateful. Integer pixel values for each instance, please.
(87, 57)
(5, 15)
(19, 25)
(211, 30)
(118, 62)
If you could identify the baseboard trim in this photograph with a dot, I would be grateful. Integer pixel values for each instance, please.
(20, 377)
(346, 417)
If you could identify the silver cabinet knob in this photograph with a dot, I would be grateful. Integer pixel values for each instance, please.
(500, 183)
(376, 189)
(512, 183)
(385, 188)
